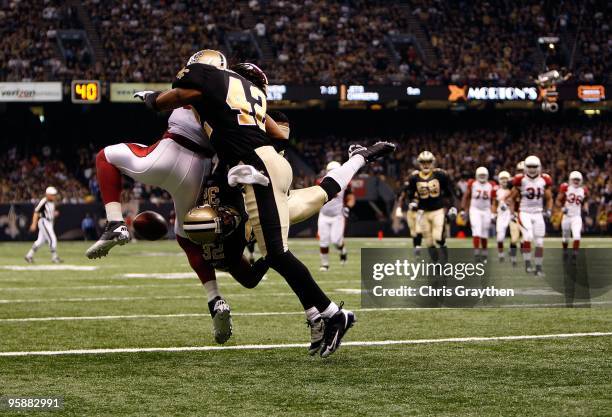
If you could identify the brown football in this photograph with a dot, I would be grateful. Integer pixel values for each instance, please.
(150, 225)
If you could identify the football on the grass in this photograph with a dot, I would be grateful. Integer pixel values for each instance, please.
(150, 225)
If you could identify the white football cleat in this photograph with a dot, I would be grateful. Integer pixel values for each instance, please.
(115, 233)
(222, 319)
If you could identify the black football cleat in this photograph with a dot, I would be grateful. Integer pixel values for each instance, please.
(335, 329)
(378, 150)
(115, 233)
(222, 319)
(317, 331)
(343, 258)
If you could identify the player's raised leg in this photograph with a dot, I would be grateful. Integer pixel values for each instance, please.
(115, 231)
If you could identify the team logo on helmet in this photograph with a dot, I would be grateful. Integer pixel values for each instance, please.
(209, 57)
(207, 224)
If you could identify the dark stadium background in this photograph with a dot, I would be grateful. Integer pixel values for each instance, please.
(383, 47)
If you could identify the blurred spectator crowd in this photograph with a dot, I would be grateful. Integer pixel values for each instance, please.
(310, 41)
(562, 148)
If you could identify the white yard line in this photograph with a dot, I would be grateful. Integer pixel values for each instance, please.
(263, 313)
(161, 316)
(302, 345)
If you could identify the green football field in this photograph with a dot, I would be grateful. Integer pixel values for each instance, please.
(135, 338)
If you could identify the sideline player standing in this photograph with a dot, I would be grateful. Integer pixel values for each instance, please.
(43, 217)
(535, 192)
(477, 202)
(332, 220)
(570, 199)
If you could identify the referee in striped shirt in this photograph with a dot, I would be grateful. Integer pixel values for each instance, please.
(43, 216)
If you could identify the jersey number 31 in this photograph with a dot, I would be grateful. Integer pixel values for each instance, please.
(237, 100)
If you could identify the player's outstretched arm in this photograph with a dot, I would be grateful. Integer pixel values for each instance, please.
(170, 99)
(175, 98)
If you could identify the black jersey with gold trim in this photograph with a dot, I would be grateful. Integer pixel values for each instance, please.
(235, 110)
(432, 189)
(215, 192)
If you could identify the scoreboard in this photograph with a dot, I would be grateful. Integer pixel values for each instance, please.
(85, 91)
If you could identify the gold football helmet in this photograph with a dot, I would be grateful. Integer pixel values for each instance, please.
(426, 161)
(206, 224)
(209, 57)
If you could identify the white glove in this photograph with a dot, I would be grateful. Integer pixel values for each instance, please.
(462, 213)
(452, 212)
(246, 174)
(413, 205)
(547, 213)
(398, 211)
(143, 94)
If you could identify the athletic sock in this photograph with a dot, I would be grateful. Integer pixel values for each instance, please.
(331, 309)
(113, 212)
(341, 176)
(324, 256)
(212, 290)
(312, 314)
(539, 254)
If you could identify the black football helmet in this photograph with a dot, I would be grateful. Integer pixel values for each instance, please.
(252, 73)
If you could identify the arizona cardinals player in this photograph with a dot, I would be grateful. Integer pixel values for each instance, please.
(179, 163)
(570, 200)
(534, 189)
(477, 202)
(332, 220)
(503, 218)
(235, 110)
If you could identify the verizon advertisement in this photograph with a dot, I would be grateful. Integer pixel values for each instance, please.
(31, 92)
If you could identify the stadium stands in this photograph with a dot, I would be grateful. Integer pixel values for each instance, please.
(313, 41)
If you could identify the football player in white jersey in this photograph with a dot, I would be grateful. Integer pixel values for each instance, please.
(571, 200)
(534, 189)
(477, 202)
(179, 163)
(332, 220)
(503, 218)
(43, 218)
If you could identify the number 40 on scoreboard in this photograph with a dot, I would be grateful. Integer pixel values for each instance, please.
(85, 91)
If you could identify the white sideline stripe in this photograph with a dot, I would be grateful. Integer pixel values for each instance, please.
(303, 345)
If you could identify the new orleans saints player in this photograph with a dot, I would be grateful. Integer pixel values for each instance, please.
(411, 216)
(434, 191)
(235, 120)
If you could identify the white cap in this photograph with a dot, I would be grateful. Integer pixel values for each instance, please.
(333, 165)
(51, 190)
(504, 175)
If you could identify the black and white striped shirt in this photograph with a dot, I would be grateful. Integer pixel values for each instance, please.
(46, 209)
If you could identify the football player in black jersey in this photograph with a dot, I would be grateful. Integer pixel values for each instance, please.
(434, 192)
(233, 113)
(411, 216)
